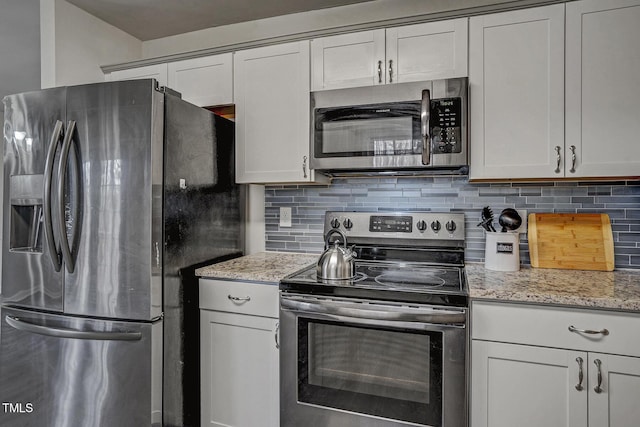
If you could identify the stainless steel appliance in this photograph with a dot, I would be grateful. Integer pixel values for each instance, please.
(404, 128)
(389, 347)
(113, 194)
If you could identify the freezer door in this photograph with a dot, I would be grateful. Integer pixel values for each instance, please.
(113, 196)
(33, 132)
(62, 371)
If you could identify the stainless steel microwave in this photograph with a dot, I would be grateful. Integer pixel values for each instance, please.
(418, 127)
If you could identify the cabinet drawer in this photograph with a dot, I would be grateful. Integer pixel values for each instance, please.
(239, 297)
(549, 327)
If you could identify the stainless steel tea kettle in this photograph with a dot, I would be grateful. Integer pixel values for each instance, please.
(336, 262)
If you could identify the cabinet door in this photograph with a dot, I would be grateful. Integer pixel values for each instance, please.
(157, 71)
(526, 386)
(603, 94)
(516, 78)
(271, 86)
(616, 405)
(239, 370)
(204, 81)
(434, 50)
(348, 60)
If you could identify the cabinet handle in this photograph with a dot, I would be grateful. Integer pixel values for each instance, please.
(304, 166)
(580, 374)
(239, 300)
(558, 158)
(588, 331)
(573, 159)
(390, 71)
(379, 71)
(598, 387)
(276, 335)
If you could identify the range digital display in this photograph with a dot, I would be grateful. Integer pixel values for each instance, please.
(391, 224)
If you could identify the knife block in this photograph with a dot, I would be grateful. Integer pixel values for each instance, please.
(502, 251)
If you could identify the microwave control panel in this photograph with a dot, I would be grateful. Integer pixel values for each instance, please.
(446, 125)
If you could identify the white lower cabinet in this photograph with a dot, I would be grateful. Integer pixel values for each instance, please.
(239, 354)
(525, 386)
(528, 369)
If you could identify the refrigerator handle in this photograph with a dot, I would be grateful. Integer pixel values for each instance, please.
(21, 325)
(48, 177)
(62, 182)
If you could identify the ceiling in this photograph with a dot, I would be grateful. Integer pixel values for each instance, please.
(152, 19)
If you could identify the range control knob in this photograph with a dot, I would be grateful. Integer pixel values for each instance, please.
(421, 225)
(450, 226)
(335, 223)
(348, 224)
(436, 226)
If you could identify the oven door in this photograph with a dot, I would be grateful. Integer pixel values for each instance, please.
(348, 362)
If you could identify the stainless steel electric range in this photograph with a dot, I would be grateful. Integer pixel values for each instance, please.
(389, 346)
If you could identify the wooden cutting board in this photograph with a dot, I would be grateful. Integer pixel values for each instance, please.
(571, 241)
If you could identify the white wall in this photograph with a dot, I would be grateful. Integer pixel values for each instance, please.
(19, 47)
(75, 44)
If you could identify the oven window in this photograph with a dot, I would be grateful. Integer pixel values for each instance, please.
(387, 373)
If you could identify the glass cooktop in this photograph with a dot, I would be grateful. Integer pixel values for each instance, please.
(392, 277)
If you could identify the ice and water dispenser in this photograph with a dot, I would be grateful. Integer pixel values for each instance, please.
(26, 226)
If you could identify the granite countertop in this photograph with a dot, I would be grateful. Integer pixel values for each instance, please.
(616, 290)
(266, 267)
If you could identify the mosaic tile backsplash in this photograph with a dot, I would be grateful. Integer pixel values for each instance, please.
(620, 200)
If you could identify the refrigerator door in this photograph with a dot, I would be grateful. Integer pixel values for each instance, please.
(33, 132)
(112, 167)
(62, 371)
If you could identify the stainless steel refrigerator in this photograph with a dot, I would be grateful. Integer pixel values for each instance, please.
(113, 194)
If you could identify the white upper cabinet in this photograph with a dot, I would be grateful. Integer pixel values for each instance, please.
(435, 50)
(348, 60)
(554, 92)
(426, 51)
(157, 71)
(204, 81)
(602, 87)
(271, 87)
(516, 84)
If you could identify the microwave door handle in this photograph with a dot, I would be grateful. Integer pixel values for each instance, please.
(425, 116)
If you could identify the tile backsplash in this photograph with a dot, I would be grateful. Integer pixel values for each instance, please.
(620, 200)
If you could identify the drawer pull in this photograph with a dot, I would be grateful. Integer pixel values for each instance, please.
(239, 300)
(598, 387)
(580, 374)
(588, 331)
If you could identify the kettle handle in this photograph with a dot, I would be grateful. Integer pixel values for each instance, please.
(330, 233)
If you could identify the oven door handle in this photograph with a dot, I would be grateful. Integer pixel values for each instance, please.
(378, 312)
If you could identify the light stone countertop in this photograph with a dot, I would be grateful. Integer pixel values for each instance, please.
(617, 290)
(265, 267)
